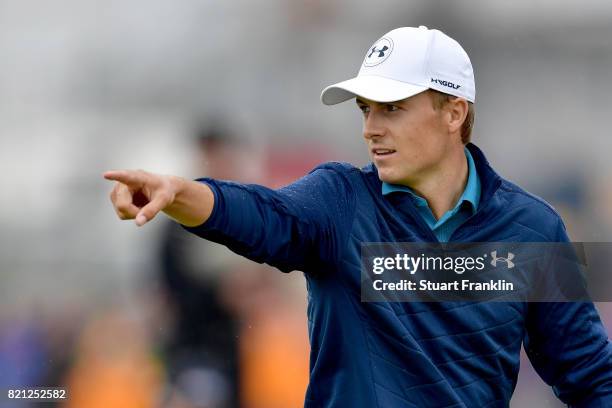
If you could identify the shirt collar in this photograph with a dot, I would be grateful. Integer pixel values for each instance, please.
(471, 194)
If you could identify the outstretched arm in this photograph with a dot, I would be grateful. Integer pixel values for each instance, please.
(298, 227)
(140, 195)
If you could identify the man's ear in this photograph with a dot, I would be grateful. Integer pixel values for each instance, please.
(457, 109)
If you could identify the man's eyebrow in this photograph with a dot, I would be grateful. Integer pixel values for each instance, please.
(360, 101)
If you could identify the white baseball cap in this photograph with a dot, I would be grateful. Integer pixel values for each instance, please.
(405, 62)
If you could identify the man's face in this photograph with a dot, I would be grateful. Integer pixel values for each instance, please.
(407, 140)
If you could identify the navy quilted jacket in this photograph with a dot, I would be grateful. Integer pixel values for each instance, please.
(411, 354)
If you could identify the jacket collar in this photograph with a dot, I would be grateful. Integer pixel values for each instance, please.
(471, 193)
(489, 179)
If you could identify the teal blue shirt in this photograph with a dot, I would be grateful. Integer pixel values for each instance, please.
(452, 219)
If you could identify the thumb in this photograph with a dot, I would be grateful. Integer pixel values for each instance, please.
(149, 211)
(141, 219)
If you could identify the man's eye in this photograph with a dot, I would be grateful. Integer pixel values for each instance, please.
(392, 108)
(364, 108)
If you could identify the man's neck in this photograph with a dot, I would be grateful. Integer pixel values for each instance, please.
(443, 187)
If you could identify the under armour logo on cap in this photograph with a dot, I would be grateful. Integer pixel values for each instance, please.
(378, 52)
(381, 53)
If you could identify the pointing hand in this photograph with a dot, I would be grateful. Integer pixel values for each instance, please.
(140, 195)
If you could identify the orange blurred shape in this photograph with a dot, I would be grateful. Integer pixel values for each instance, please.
(114, 367)
(274, 359)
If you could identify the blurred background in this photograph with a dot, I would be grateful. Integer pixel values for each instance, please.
(152, 317)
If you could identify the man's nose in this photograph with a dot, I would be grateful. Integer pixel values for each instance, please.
(373, 126)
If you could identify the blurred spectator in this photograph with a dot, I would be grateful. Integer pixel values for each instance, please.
(201, 353)
(239, 336)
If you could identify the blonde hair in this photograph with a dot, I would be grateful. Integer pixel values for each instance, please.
(440, 99)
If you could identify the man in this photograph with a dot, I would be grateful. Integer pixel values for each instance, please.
(427, 183)
(204, 337)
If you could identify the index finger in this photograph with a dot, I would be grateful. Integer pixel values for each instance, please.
(130, 177)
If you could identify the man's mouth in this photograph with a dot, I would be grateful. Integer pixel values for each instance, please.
(380, 153)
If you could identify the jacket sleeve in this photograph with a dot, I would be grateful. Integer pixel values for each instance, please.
(297, 227)
(568, 346)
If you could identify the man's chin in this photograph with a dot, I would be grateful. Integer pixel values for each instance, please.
(393, 178)
(388, 173)
(388, 178)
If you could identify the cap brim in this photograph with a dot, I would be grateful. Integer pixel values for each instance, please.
(374, 88)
